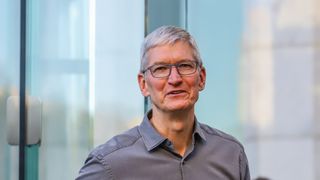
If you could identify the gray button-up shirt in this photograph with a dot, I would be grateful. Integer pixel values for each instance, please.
(142, 153)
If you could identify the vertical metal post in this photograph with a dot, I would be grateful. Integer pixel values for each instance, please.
(186, 15)
(22, 93)
(145, 109)
(145, 18)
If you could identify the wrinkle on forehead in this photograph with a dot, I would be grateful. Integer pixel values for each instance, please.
(169, 54)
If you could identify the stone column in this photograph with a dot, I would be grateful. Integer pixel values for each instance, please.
(280, 93)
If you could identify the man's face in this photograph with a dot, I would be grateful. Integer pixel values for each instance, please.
(176, 92)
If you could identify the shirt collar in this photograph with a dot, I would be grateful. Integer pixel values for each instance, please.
(153, 139)
(150, 136)
(198, 130)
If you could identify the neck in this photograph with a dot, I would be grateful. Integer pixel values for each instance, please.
(176, 126)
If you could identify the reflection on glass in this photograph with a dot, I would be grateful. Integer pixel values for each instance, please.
(59, 76)
(77, 117)
(218, 33)
(175, 13)
(119, 33)
(9, 81)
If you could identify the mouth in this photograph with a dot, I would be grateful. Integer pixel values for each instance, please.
(176, 92)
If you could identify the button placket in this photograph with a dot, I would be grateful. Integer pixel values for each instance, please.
(181, 168)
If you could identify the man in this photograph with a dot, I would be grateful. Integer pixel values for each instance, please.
(170, 143)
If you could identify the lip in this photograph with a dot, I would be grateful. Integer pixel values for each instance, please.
(175, 92)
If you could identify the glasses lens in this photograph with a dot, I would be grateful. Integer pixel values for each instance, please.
(186, 68)
(160, 70)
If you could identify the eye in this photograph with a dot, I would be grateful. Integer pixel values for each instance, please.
(159, 69)
(186, 65)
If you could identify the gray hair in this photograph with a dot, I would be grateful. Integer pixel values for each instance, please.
(167, 35)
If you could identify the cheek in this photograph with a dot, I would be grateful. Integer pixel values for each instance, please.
(195, 88)
(194, 84)
(155, 87)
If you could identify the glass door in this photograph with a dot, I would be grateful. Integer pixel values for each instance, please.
(58, 74)
(81, 66)
(9, 81)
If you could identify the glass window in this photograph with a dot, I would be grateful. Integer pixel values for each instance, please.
(119, 33)
(9, 81)
(217, 27)
(83, 65)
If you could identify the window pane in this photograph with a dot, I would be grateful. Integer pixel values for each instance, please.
(119, 33)
(216, 26)
(58, 74)
(9, 81)
(165, 12)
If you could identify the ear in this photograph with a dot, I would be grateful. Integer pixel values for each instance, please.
(143, 85)
(203, 76)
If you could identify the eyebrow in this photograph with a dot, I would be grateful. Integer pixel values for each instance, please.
(180, 61)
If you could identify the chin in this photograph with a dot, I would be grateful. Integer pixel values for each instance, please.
(175, 105)
(179, 107)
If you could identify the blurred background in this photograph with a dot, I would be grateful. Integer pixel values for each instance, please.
(82, 60)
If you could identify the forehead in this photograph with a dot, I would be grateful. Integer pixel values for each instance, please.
(170, 53)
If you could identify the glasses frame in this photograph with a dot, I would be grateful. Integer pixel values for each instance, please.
(176, 65)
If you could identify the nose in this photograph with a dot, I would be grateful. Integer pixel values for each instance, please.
(175, 77)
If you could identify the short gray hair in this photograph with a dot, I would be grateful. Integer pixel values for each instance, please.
(167, 35)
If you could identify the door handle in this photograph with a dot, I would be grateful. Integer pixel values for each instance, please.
(33, 120)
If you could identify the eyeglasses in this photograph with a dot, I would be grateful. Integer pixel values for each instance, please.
(164, 70)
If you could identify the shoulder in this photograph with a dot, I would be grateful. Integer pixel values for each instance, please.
(117, 143)
(222, 137)
(96, 165)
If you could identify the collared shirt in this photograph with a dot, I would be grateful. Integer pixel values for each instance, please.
(141, 153)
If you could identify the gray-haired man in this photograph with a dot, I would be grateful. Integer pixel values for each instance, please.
(169, 143)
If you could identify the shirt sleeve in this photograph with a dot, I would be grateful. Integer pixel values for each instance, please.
(95, 168)
(244, 167)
